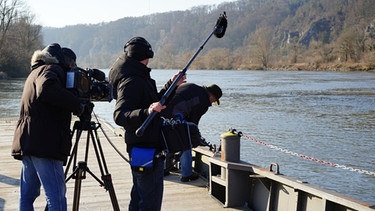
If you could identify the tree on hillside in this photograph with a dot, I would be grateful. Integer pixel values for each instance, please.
(260, 45)
(218, 59)
(24, 39)
(348, 45)
(370, 36)
(8, 14)
(323, 53)
(19, 38)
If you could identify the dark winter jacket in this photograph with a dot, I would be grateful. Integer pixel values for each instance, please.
(190, 100)
(136, 91)
(43, 129)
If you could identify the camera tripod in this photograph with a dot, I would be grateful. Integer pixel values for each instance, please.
(80, 169)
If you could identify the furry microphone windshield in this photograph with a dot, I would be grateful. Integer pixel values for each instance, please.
(221, 25)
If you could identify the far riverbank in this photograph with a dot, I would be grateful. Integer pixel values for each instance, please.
(331, 67)
(328, 67)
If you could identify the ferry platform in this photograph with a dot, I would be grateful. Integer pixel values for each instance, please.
(177, 195)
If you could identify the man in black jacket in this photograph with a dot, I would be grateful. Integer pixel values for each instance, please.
(137, 97)
(42, 139)
(192, 102)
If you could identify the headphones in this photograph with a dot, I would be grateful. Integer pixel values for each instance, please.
(139, 41)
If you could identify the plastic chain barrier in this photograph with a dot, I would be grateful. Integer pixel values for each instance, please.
(306, 157)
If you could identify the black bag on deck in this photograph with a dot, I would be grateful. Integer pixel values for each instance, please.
(180, 135)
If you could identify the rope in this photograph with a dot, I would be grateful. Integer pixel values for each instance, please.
(305, 156)
(110, 142)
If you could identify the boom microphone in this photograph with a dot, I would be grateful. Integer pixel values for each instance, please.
(219, 31)
(221, 25)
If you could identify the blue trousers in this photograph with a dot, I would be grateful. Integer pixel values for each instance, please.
(148, 187)
(42, 171)
(186, 160)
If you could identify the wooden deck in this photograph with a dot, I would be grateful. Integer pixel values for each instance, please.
(177, 195)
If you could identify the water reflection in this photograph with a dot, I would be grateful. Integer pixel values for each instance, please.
(10, 97)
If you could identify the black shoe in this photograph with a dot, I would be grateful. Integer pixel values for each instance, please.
(174, 169)
(166, 173)
(192, 177)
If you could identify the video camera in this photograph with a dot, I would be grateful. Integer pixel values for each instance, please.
(89, 84)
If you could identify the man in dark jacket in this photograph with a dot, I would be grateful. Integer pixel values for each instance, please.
(192, 102)
(137, 97)
(42, 139)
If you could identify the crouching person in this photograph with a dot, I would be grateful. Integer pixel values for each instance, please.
(192, 102)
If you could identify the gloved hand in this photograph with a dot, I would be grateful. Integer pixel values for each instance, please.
(87, 109)
(80, 110)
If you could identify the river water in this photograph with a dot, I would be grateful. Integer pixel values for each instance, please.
(328, 116)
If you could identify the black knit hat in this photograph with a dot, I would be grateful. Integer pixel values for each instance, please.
(138, 48)
(54, 50)
(215, 91)
(69, 53)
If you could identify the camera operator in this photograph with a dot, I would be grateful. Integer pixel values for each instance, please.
(137, 97)
(42, 138)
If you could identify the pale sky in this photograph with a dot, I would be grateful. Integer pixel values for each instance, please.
(59, 13)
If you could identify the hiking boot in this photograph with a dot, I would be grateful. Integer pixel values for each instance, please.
(192, 177)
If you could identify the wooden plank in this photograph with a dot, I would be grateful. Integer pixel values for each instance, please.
(177, 195)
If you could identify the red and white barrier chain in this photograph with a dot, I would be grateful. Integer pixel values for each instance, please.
(308, 157)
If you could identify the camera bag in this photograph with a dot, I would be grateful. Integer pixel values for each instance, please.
(142, 159)
(180, 135)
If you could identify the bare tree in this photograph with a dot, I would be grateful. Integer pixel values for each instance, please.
(260, 45)
(347, 45)
(8, 13)
(19, 37)
(218, 59)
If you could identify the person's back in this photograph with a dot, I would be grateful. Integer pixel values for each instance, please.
(192, 101)
(44, 126)
(42, 135)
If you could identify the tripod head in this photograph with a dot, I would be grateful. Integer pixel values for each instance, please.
(85, 116)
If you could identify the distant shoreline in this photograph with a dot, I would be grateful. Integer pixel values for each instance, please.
(328, 67)
(331, 67)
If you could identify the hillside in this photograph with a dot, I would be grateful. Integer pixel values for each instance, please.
(261, 34)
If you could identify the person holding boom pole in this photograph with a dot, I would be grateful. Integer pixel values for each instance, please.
(136, 98)
(137, 103)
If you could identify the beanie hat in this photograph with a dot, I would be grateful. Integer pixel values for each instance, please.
(138, 48)
(69, 53)
(54, 50)
(215, 91)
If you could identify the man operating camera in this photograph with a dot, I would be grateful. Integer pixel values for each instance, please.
(42, 138)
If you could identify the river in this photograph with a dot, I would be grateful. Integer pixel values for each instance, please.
(326, 116)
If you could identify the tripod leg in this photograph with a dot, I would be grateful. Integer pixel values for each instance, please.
(77, 184)
(107, 179)
(73, 155)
